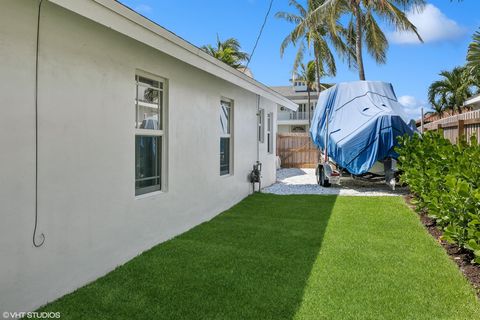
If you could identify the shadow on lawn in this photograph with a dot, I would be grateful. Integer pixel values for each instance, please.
(250, 262)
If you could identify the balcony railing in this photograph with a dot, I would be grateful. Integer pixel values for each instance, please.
(294, 115)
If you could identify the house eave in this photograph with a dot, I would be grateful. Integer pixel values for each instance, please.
(122, 19)
(473, 100)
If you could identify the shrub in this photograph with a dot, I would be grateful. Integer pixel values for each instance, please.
(444, 179)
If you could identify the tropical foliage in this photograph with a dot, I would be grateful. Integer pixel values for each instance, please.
(362, 28)
(445, 184)
(451, 91)
(473, 60)
(228, 51)
(308, 34)
(308, 74)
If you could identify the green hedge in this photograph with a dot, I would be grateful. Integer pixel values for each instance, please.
(445, 179)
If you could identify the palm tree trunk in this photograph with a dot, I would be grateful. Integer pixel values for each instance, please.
(358, 40)
(308, 94)
(317, 68)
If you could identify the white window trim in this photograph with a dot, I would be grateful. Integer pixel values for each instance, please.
(270, 133)
(261, 125)
(228, 135)
(149, 132)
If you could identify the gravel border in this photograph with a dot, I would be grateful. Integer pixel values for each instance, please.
(303, 181)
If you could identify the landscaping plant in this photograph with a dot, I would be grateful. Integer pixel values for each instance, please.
(444, 179)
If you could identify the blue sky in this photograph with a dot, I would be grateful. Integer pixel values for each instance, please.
(446, 26)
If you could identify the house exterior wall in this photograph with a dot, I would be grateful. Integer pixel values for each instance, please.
(288, 119)
(87, 207)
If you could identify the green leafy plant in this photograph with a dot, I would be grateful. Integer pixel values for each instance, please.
(445, 179)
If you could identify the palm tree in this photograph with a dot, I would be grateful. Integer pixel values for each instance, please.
(228, 51)
(451, 92)
(306, 35)
(438, 108)
(473, 60)
(308, 74)
(363, 27)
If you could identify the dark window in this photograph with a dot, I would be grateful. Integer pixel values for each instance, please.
(225, 137)
(147, 163)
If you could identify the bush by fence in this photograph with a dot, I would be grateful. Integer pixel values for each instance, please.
(445, 180)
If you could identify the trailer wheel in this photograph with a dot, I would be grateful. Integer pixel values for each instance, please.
(323, 181)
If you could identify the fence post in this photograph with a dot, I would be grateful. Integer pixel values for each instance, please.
(461, 129)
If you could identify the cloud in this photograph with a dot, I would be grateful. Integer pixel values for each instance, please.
(413, 106)
(432, 25)
(143, 8)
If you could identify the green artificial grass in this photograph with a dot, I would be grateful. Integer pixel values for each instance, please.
(287, 257)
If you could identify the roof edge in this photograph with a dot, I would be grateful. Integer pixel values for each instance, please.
(124, 20)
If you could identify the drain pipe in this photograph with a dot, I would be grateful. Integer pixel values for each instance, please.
(255, 175)
(42, 236)
(258, 133)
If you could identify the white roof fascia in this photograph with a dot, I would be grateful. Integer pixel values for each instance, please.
(120, 18)
(473, 100)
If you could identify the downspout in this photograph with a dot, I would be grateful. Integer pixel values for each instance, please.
(42, 236)
(258, 133)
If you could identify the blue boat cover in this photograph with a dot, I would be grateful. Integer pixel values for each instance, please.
(364, 121)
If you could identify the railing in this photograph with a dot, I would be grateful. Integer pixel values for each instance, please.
(294, 115)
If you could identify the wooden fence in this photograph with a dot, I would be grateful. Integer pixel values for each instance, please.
(465, 124)
(296, 150)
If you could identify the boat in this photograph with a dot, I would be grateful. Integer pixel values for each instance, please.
(356, 126)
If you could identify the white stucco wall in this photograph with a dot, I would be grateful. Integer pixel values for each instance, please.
(87, 207)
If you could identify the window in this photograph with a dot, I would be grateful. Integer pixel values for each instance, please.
(149, 133)
(261, 125)
(270, 132)
(225, 137)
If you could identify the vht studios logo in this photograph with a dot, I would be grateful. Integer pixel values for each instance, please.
(31, 315)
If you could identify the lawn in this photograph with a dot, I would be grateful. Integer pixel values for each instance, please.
(287, 257)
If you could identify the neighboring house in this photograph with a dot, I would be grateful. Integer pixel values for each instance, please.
(295, 121)
(140, 137)
(473, 103)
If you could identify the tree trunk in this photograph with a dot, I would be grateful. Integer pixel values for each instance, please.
(317, 68)
(308, 94)
(358, 40)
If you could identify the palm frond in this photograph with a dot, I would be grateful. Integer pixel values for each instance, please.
(376, 42)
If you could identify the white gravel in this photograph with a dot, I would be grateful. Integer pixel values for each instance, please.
(303, 181)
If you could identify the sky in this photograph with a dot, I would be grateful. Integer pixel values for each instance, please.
(446, 27)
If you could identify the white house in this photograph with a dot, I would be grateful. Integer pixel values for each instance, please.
(295, 120)
(115, 135)
(473, 102)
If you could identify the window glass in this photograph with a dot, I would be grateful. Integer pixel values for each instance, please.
(270, 132)
(261, 126)
(149, 82)
(224, 156)
(225, 118)
(148, 146)
(147, 163)
(148, 104)
(225, 137)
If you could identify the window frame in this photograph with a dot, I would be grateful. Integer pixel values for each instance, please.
(261, 125)
(160, 133)
(228, 135)
(270, 132)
